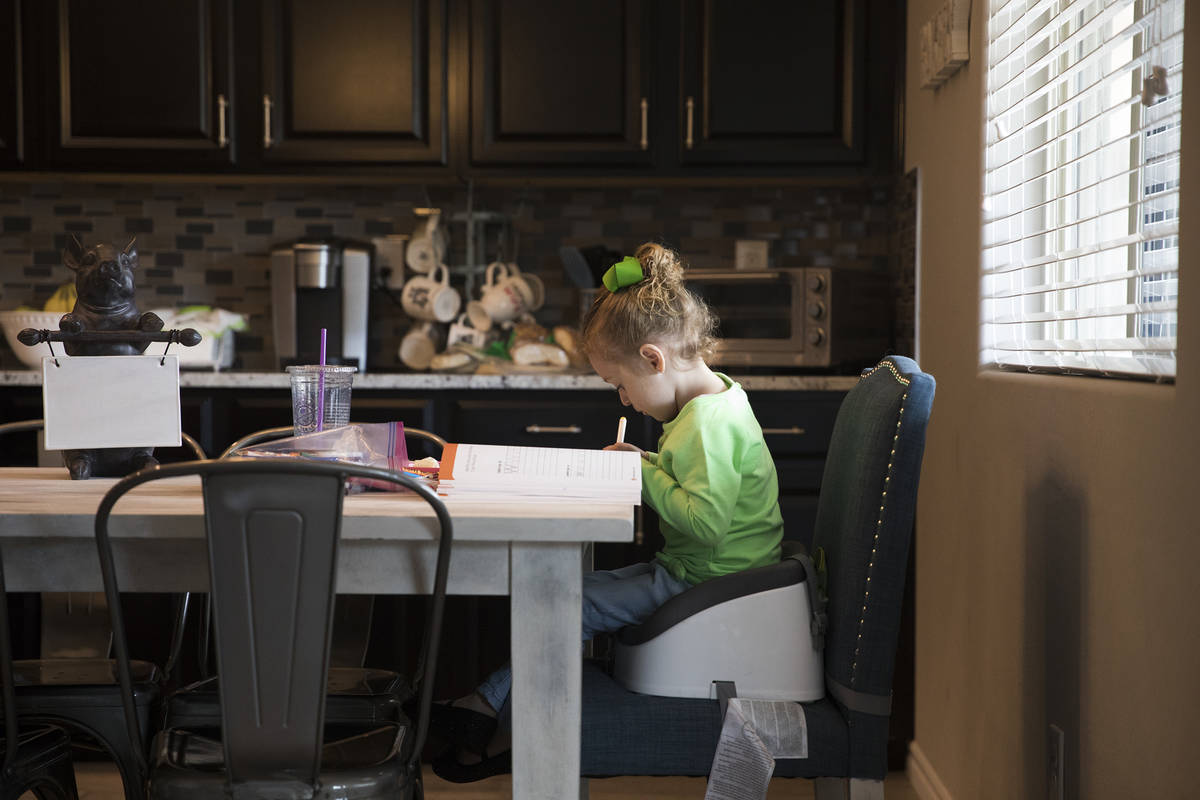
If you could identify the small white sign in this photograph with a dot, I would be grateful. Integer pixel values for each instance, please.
(111, 401)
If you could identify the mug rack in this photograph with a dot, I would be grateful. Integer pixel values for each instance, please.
(477, 225)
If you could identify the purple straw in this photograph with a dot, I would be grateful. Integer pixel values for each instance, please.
(321, 387)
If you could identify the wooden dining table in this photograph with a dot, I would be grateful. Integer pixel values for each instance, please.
(529, 550)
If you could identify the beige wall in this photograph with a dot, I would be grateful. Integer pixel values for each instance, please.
(1058, 519)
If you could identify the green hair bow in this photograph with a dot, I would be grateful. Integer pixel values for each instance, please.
(625, 272)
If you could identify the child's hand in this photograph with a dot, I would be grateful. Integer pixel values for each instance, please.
(626, 446)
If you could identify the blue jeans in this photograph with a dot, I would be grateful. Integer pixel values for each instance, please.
(612, 599)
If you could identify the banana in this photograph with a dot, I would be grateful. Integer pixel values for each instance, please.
(62, 300)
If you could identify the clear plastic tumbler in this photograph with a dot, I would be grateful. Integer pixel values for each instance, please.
(307, 382)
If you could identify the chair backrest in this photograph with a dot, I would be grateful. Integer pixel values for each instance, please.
(24, 425)
(864, 524)
(272, 529)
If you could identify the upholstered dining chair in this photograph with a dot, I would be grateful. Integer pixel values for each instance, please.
(81, 694)
(33, 758)
(272, 527)
(864, 526)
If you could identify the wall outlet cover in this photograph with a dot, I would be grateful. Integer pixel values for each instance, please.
(750, 254)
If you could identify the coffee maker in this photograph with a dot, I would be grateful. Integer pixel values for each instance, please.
(321, 283)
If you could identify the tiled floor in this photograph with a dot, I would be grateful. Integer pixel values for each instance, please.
(98, 781)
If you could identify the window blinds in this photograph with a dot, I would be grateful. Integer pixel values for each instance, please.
(1081, 186)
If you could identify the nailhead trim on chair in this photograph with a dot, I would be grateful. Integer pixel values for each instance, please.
(879, 522)
(891, 368)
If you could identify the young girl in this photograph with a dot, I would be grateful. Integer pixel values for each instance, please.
(712, 480)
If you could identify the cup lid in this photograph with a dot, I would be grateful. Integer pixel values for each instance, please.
(303, 368)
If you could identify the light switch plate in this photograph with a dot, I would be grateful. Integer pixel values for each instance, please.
(750, 254)
(945, 43)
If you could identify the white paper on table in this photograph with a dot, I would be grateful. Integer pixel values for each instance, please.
(754, 734)
(111, 401)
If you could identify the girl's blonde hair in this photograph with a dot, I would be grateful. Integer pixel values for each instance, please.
(658, 308)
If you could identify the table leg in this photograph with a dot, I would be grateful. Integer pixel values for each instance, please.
(547, 669)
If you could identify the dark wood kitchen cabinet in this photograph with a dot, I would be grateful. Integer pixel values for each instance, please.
(441, 88)
(134, 84)
(783, 83)
(12, 93)
(364, 81)
(564, 83)
(685, 87)
(772, 82)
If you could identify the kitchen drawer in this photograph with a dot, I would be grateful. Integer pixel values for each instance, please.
(796, 422)
(578, 423)
(799, 473)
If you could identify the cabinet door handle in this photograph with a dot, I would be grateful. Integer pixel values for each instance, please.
(691, 110)
(267, 106)
(222, 105)
(553, 429)
(645, 131)
(792, 431)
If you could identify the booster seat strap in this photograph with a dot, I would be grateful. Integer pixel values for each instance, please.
(816, 598)
(877, 705)
(725, 691)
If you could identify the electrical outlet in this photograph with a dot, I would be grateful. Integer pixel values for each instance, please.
(1055, 764)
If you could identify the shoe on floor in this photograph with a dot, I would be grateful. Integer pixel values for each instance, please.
(449, 768)
(454, 727)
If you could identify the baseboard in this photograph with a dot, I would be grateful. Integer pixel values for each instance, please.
(923, 777)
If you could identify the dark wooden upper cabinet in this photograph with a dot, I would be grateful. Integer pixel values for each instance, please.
(12, 95)
(138, 84)
(780, 82)
(354, 81)
(562, 83)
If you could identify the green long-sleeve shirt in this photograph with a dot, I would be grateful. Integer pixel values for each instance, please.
(714, 487)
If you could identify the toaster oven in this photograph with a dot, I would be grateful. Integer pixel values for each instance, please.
(797, 317)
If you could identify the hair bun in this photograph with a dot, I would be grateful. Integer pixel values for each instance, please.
(661, 266)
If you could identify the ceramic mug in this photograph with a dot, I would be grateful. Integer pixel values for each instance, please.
(420, 345)
(504, 297)
(537, 289)
(431, 297)
(461, 330)
(427, 248)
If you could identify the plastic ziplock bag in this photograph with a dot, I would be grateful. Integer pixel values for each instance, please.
(373, 444)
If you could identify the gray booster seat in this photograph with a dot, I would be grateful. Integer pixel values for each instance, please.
(762, 629)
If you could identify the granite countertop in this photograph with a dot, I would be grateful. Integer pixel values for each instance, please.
(415, 380)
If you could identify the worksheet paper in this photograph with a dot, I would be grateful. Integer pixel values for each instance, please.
(754, 734)
(567, 473)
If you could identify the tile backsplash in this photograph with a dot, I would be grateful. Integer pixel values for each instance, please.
(209, 243)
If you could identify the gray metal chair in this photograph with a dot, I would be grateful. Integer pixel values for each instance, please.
(82, 694)
(274, 738)
(37, 758)
(864, 525)
(356, 693)
(352, 627)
